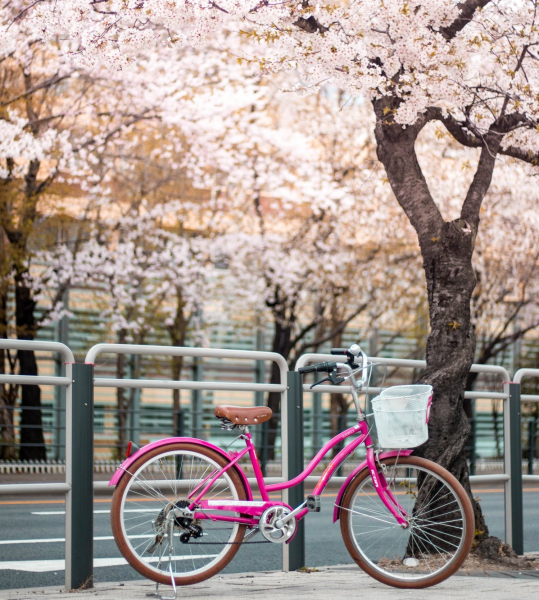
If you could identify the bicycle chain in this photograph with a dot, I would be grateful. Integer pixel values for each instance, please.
(226, 543)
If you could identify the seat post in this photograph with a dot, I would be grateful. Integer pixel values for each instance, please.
(256, 465)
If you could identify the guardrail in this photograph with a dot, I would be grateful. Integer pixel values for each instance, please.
(512, 478)
(79, 382)
(78, 484)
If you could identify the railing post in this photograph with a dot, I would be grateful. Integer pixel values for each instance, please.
(260, 377)
(196, 400)
(514, 528)
(135, 404)
(317, 423)
(59, 391)
(294, 552)
(79, 475)
(531, 444)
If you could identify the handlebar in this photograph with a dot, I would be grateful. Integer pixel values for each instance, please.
(335, 371)
(325, 367)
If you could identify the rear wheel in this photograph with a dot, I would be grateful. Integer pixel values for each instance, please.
(439, 515)
(154, 541)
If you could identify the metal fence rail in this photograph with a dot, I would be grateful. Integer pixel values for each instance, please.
(76, 485)
(79, 382)
(512, 478)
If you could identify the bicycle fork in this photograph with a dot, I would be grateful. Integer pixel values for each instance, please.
(381, 487)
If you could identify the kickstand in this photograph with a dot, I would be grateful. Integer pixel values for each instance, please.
(172, 581)
(156, 594)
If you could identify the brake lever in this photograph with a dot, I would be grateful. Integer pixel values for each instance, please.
(332, 377)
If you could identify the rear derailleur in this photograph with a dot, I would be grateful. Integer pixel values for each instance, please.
(183, 519)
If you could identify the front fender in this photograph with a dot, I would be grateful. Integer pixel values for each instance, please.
(355, 472)
(165, 442)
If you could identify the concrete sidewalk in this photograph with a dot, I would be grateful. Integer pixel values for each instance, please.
(327, 583)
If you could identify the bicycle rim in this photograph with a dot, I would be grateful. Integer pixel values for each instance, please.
(440, 520)
(151, 543)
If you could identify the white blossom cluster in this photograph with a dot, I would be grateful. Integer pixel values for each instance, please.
(404, 48)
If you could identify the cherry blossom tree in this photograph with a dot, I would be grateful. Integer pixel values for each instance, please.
(147, 279)
(58, 121)
(470, 66)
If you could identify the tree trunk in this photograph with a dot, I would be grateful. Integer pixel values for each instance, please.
(178, 333)
(450, 354)
(338, 404)
(8, 393)
(32, 441)
(123, 402)
(447, 249)
(281, 344)
(177, 366)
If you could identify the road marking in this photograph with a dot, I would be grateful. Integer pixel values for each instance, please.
(43, 566)
(475, 490)
(101, 538)
(96, 512)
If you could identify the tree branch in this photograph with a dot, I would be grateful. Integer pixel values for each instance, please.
(44, 84)
(457, 129)
(481, 182)
(310, 25)
(524, 155)
(333, 333)
(467, 11)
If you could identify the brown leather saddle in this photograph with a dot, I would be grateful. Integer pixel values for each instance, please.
(241, 415)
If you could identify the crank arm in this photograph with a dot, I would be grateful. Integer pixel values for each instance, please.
(251, 533)
(282, 522)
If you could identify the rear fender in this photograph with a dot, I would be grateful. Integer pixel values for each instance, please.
(355, 472)
(167, 441)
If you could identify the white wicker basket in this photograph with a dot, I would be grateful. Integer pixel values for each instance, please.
(401, 413)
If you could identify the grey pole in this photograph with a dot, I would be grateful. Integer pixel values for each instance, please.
(134, 405)
(60, 391)
(515, 504)
(260, 377)
(294, 552)
(196, 399)
(79, 475)
(317, 423)
(531, 444)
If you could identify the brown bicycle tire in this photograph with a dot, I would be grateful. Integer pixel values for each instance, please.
(123, 545)
(469, 523)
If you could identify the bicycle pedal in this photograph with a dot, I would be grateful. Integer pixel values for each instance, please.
(313, 503)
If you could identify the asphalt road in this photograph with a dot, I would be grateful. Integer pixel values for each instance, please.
(37, 527)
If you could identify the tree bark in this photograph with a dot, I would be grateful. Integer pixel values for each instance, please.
(8, 393)
(447, 249)
(282, 345)
(32, 441)
(178, 333)
(123, 401)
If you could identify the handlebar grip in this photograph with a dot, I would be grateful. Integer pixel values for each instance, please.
(339, 351)
(324, 367)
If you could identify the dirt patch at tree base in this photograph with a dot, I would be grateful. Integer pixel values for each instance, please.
(476, 563)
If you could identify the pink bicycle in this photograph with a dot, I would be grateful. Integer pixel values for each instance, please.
(182, 506)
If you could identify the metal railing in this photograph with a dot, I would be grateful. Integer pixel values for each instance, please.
(512, 477)
(79, 382)
(76, 481)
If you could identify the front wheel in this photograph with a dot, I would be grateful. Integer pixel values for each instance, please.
(155, 542)
(440, 523)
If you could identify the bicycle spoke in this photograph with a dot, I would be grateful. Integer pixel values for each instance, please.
(161, 482)
(429, 544)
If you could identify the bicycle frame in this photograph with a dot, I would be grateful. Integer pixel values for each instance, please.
(256, 508)
(253, 509)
